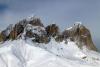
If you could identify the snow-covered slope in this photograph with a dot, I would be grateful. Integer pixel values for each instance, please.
(21, 53)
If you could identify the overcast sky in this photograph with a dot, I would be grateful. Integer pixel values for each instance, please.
(62, 12)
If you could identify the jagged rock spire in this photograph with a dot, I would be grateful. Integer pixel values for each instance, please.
(35, 29)
(52, 30)
(36, 22)
(81, 35)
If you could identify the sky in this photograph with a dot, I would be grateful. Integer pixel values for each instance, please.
(62, 12)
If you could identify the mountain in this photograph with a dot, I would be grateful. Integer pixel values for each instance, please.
(81, 35)
(30, 44)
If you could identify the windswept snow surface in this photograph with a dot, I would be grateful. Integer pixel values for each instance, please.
(21, 53)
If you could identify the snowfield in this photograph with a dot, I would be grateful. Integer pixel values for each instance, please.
(21, 53)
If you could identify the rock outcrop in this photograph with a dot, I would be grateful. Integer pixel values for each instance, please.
(81, 35)
(52, 30)
(35, 30)
(36, 22)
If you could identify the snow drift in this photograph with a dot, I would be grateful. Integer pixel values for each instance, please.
(20, 53)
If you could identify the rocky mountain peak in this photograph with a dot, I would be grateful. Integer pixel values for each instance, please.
(81, 35)
(34, 29)
(35, 22)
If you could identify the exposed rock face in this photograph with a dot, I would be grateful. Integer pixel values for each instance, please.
(81, 35)
(52, 30)
(17, 30)
(59, 38)
(4, 35)
(36, 22)
(86, 39)
(36, 31)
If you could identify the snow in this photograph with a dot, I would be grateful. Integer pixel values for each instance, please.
(69, 28)
(21, 53)
(78, 23)
(75, 25)
(35, 29)
(32, 17)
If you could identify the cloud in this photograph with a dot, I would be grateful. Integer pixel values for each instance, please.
(3, 8)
